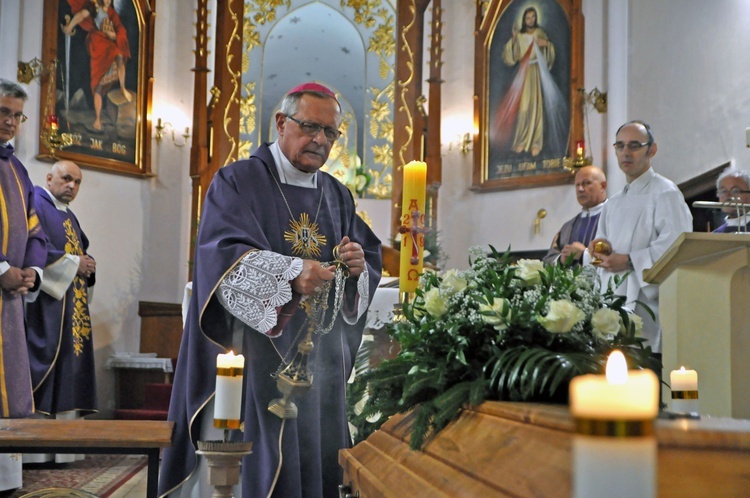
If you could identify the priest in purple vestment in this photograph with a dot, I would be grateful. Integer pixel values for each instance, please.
(22, 255)
(270, 227)
(59, 336)
(576, 233)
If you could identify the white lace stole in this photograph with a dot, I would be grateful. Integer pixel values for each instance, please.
(257, 285)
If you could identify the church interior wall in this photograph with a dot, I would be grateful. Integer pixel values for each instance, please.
(679, 65)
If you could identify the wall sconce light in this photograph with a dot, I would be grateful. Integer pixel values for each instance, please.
(167, 127)
(597, 99)
(27, 71)
(464, 143)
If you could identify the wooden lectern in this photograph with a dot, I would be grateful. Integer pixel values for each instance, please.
(704, 304)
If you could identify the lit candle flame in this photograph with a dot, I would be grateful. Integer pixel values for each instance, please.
(617, 368)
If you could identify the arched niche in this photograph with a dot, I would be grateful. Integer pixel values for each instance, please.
(350, 49)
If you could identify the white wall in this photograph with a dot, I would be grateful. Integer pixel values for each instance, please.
(138, 227)
(690, 79)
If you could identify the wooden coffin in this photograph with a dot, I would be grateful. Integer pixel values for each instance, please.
(523, 449)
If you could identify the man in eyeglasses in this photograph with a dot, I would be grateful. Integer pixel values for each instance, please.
(22, 255)
(733, 185)
(269, 226)
(639, 223)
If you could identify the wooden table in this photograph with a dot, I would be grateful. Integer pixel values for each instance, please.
(131, 437)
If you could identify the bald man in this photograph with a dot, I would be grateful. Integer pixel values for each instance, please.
(639, 223)
(59, 336)
(575, 235)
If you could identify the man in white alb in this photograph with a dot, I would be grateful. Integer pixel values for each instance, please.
(640, 223)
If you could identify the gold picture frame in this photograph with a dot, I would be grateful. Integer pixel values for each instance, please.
(528, 72)
(103, 81)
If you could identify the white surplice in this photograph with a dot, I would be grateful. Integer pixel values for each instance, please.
(643, 222)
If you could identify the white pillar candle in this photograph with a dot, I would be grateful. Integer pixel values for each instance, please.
(614, 452)
(228, 400)
(684, 384)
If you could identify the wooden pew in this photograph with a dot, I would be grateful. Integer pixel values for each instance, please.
(132, 437)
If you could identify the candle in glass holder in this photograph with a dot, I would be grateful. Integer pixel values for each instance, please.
(614, 451)
(684, 384)
(52, 121)
(412, 224)
(228, 400)
(580, 148)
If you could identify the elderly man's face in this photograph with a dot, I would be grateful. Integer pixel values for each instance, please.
(733, 188)
(307, 153)
(591, 189)
(9, 108)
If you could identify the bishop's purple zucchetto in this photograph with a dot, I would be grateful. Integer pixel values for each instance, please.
(313, 87)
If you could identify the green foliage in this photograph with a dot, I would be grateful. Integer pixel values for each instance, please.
(499, 330)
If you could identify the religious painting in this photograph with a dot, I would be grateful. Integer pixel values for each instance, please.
(100, 93)
(529, 69)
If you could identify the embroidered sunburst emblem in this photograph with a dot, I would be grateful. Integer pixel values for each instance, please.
(305, 237)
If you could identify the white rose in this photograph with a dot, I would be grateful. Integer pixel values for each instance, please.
(434, 302)
(637, 322)
(453, 283)
(605, 322)
(528, 270)
(562, 316)
(493, 314)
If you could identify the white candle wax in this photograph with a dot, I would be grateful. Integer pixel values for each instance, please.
(634, 396)
(614, 467)
(610, 464)
(228, 399)
(684, 384)
(683, 380)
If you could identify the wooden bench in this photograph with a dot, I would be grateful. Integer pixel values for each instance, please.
(132, 437)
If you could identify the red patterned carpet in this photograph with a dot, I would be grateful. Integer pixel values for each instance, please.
(100, 475)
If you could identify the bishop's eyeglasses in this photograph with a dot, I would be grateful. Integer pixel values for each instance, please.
(312, 129)
(632, 146)
(6, 113)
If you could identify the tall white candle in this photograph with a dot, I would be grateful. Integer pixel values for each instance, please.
(228, 400)
(614, 453)
(684, 384)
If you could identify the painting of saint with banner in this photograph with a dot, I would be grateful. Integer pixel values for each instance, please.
(100, 98)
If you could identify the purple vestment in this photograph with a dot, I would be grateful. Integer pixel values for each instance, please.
(61, 349)
(22, 245)
(244, 211)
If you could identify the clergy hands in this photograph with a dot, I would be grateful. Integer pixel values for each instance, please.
(603, 257)
(353, 256)
(312, 277)
(576, 249)
(86, 266)
(18, 281)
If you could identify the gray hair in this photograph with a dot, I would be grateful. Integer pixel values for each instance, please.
(12, 90)
(290, 104)
(735, 172)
